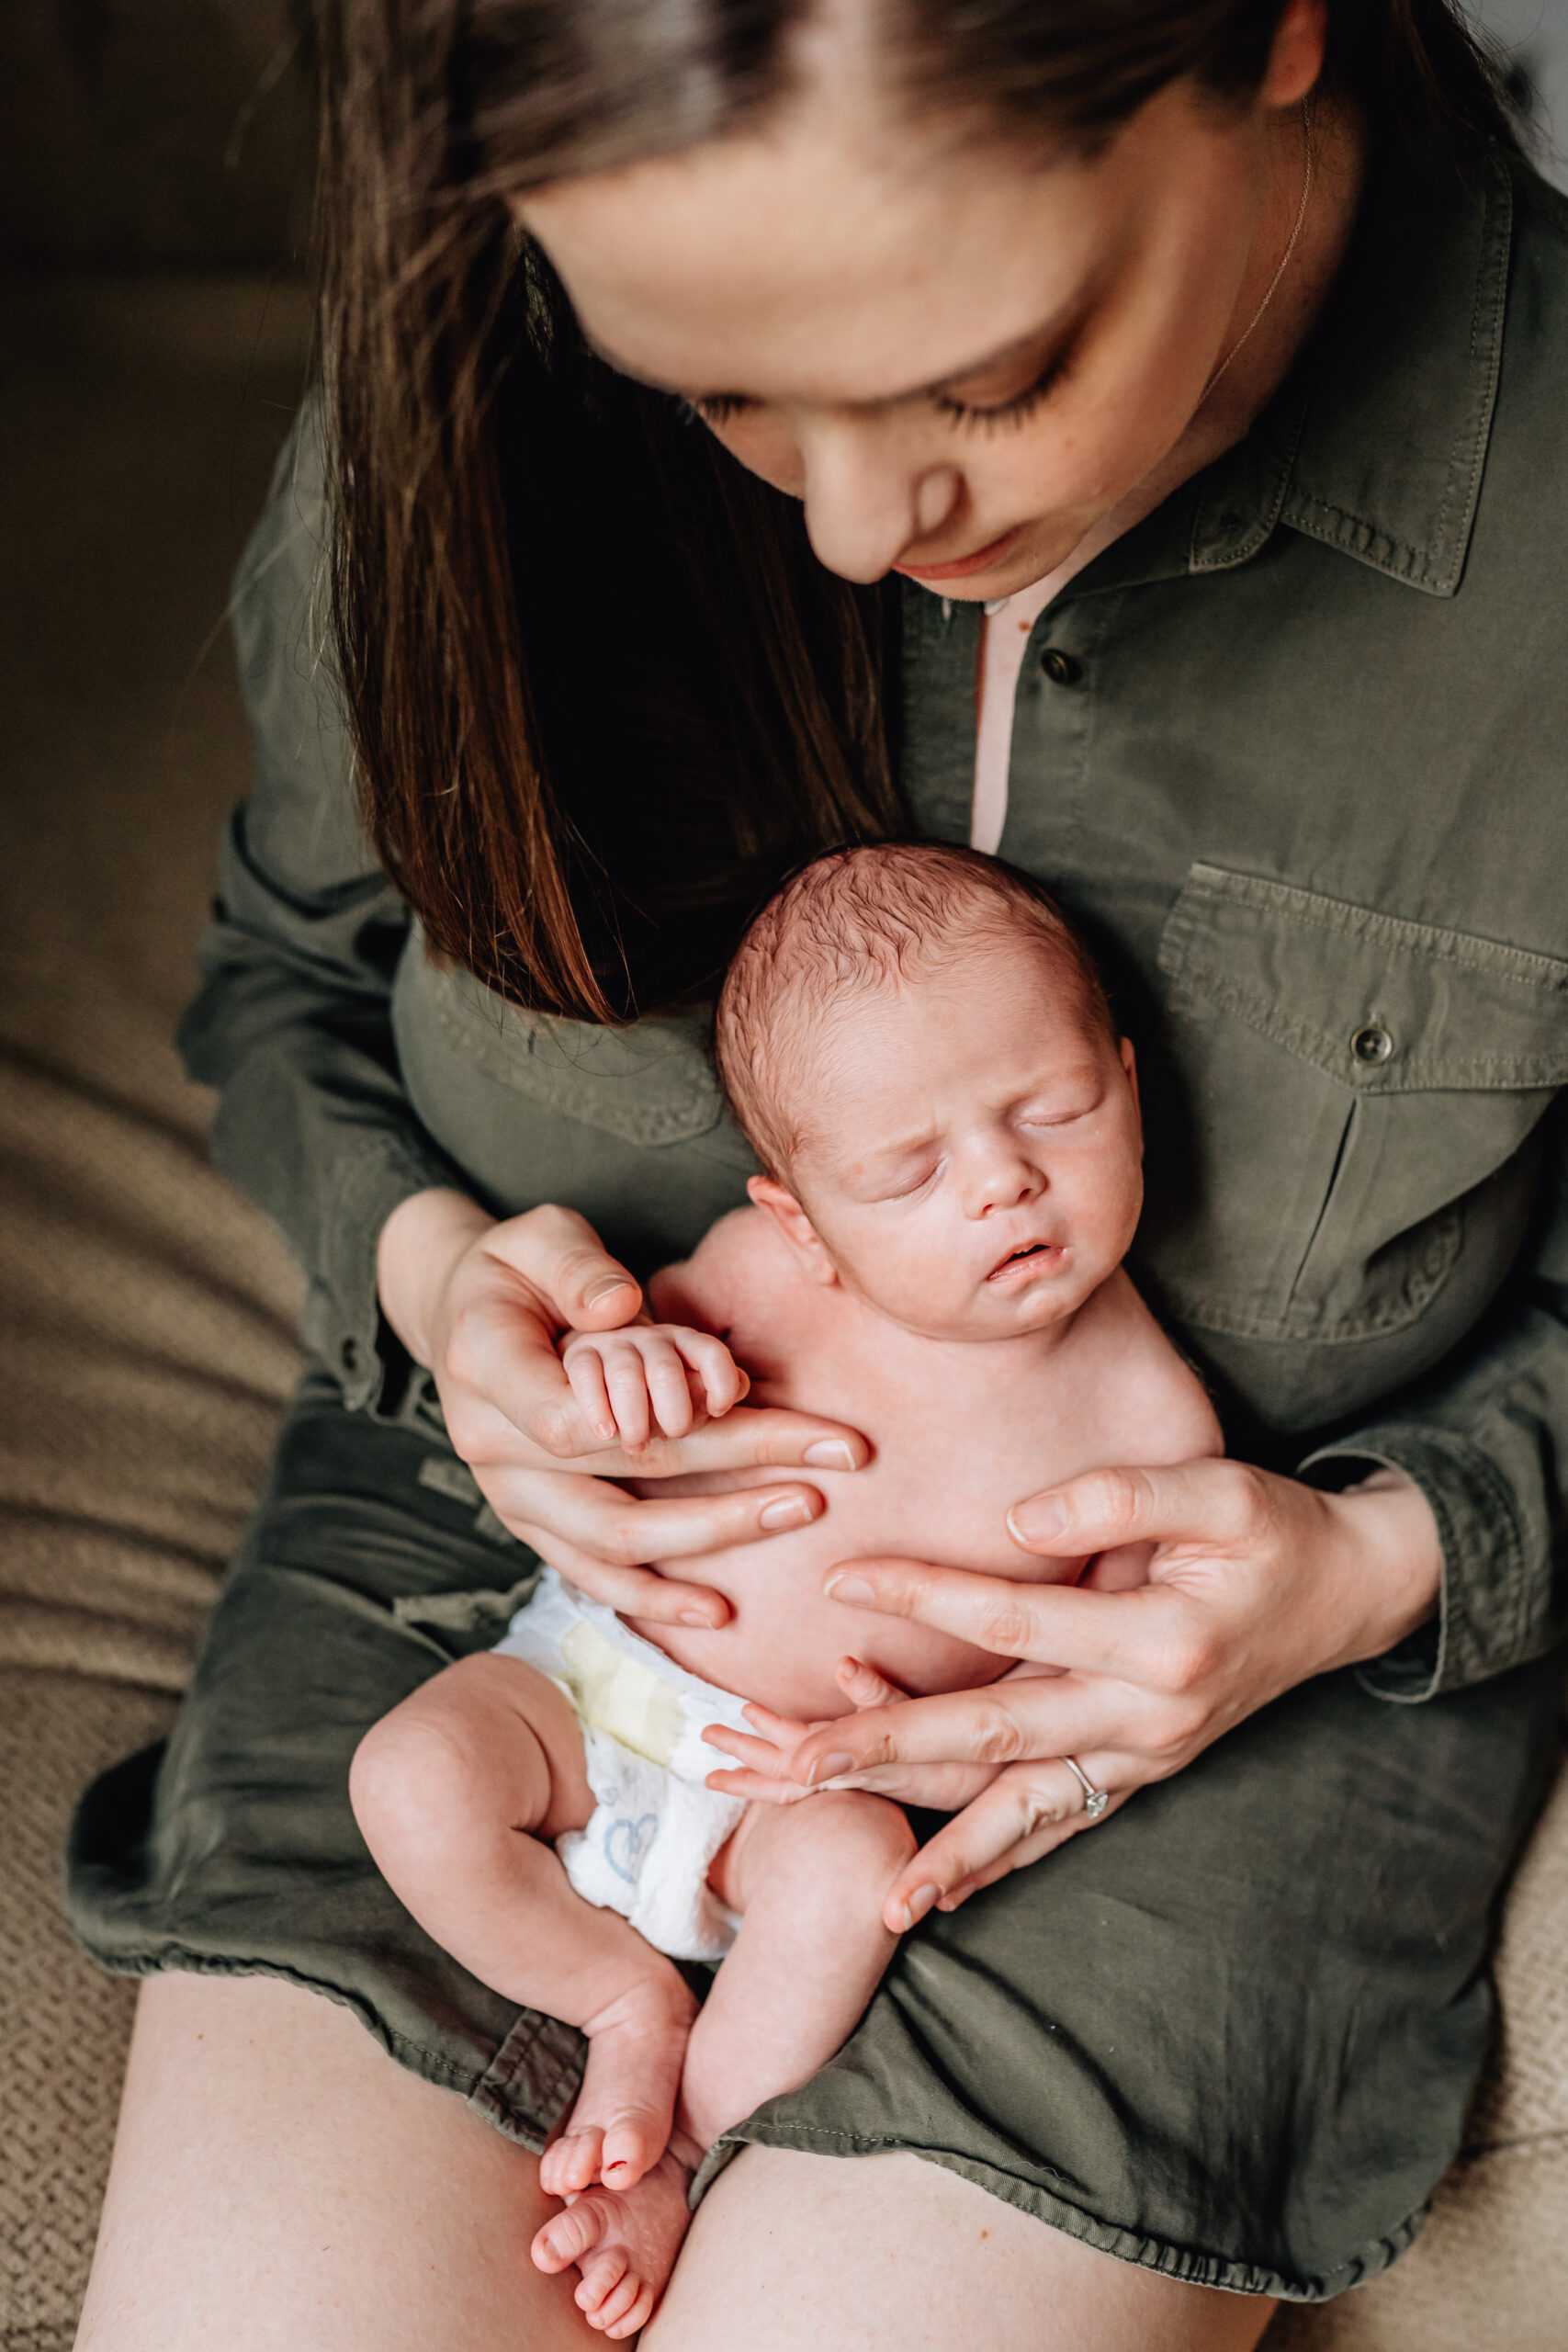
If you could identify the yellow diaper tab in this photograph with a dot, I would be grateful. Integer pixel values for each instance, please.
(619, 1694)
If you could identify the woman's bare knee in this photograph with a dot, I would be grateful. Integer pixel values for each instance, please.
(827, 2254)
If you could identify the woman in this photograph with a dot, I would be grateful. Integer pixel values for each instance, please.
(1196, 363)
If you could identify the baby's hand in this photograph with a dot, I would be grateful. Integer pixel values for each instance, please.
(652, 1377)
(764, 1760)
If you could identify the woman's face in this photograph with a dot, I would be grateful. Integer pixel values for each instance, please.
(960, 356)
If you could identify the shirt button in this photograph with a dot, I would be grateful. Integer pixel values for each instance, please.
(348, 1355)
(1371, 1043)
(1062, 668)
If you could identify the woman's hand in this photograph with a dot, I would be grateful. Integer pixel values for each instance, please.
(762, 1772)
(482, 1306)
(1256, 1583)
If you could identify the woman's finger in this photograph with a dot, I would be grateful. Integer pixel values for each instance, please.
(1024, 1811)
(631, 1592)
(561, 1256)
(1223, 1504)
(750, 1438)
(999, 1725)
(1057, 1625)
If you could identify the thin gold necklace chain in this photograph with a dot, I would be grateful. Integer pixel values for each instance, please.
(1295, 240)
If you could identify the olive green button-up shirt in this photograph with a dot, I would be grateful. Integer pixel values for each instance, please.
(1301, 777)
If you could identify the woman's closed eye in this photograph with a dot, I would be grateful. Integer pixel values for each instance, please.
(995, 416)
(972, 416)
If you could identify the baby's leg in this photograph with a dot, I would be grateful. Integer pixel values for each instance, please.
(457, 1793)
(810, 1880)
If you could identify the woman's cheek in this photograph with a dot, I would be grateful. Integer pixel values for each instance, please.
(764, 446)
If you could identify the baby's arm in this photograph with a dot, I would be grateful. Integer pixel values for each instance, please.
(649, 1378)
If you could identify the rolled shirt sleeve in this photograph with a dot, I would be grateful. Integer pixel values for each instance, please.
(1485, 1442)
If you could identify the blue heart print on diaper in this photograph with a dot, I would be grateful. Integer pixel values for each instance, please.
(627, 1843)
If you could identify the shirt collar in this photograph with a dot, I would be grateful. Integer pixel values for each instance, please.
(1376, 442)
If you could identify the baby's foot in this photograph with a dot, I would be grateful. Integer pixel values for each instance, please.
(624, 2242)
(620, 2126)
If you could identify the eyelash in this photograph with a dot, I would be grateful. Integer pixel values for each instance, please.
(1008, 415)
(718, 408)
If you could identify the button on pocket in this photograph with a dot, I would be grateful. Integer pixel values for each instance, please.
(1371, 1043)
(1062, 668)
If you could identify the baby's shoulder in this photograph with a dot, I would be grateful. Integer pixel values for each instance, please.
(1147, 1384)
(739, 1277)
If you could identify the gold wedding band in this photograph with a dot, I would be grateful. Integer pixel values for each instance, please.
(1094, 1800)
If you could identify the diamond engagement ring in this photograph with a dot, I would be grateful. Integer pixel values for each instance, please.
(1094, 1800)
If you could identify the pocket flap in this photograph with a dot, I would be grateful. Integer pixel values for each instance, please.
(649, 1084)
(1385, 1006)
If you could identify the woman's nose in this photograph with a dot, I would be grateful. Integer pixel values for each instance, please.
(866, 505)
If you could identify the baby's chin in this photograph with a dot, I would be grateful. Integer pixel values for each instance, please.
(999, 1311)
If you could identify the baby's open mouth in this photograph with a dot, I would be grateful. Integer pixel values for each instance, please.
(1021, 1257)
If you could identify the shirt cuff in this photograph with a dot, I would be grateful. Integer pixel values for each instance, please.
(344, 1324)
(1481, 1627)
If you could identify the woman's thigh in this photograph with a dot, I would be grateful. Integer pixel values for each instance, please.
(279, 2185)
(810, 2254)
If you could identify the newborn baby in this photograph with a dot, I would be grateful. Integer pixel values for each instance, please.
(921, 1054)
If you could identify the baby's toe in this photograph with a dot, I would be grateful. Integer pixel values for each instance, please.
(603, 2274)
(631, 2145)
(623, 2310)
(571, 2163)
(567, 2237)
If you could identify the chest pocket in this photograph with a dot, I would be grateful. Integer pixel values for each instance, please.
(1349, 1089)
(649, 1084)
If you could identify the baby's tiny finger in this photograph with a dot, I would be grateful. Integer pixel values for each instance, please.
(627, 1385)
(864, 1684)
(669, 1389)
(757, 1788)
(585, 1377)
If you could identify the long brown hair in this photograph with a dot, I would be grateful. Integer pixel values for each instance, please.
(601, 693)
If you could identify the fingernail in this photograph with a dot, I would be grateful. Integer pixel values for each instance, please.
(919, 1904)
(853, 1589)
(695, 1617)
(788, 1511)
(827, 1768)
(1037, 1520)
(605, 1288)
(829, 1453)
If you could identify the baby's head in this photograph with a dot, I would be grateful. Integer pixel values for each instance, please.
(921, 1055)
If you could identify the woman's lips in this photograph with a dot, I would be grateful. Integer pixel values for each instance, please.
(965, 563)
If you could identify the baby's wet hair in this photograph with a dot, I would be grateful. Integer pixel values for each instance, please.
(867, 917)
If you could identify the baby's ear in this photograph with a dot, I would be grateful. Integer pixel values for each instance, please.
(1130, 1064)
(794, 1224)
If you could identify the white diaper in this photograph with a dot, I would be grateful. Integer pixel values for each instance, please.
(648, 1849)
